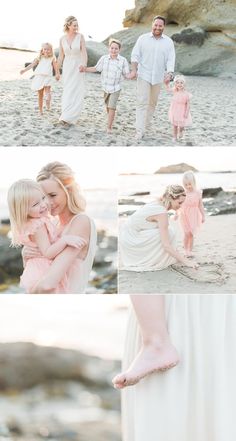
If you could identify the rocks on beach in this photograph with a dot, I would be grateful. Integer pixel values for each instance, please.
(57, 394)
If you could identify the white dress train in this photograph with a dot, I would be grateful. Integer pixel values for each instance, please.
(141, 248)
(73, 81)
(196, 400)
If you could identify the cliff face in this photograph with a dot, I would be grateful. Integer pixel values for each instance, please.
(204, 32)
(212, 15)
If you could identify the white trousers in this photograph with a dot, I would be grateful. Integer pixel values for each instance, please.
(147, 96)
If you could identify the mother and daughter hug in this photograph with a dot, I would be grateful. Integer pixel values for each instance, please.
(152, 61)
(48, 219)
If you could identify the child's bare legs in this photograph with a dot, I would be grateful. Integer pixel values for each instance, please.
(48, 96)
(175, 133)
(40, 100)
(188, 243)
(157, 352)
(181, 132)
(110, 118)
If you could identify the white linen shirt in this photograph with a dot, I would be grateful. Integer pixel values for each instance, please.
(112, 72)
(154, 56)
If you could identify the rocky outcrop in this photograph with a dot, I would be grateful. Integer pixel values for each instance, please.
(204, 33)
(209, 14)
(175, 168)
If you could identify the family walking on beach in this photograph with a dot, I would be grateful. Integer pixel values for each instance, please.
(152, 64)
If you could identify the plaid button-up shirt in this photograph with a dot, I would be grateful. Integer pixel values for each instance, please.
(112, 71)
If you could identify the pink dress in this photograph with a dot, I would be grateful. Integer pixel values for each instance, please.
(36, 267)
(177, 109)
(190, 214)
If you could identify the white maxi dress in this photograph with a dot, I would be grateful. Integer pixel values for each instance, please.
(141, 248)
(196, 400)
(73, 81)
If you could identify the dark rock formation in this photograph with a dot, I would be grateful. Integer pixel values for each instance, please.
(176, 168)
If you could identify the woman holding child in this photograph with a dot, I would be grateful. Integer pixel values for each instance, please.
(72, 54)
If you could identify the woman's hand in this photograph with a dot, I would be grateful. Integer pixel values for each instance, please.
(190, 264)
(75, 241)
(29, 252)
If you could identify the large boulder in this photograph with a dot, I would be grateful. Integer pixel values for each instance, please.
(204, 33)
(175, 168)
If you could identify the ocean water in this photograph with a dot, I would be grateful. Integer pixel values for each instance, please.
(101, 206)
(156, 184)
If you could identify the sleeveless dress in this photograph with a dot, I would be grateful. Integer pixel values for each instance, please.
(190, 215)
(43, 74)
(73, 81)
(36, 267)
(177, 109)
(141, 248)
(78, 273)
(196, 400)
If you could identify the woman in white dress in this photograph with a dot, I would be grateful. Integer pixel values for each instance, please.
(72, 54)
(197, 399)
(67, 203)
(147, 242)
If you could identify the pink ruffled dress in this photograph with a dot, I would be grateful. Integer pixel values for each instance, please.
(190, 214)
(36, 267)
(177, 109)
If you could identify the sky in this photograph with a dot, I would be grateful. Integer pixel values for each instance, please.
(98, 167)
(28, 24)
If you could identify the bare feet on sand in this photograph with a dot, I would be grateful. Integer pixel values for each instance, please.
(150, 359)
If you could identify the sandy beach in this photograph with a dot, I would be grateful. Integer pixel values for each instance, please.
(214, 250)
(213, 112)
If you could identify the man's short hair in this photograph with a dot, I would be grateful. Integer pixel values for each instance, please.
(159, 17)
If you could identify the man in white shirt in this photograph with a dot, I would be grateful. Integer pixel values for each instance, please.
(153, 61)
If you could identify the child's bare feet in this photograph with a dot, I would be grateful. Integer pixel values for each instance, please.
(152, 358)
(109, 130)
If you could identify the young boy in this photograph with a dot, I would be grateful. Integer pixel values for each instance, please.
(113, 68)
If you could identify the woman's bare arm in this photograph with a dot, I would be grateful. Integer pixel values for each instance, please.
(61, 56)
(60, 265)
(83, 51)
(162, 220)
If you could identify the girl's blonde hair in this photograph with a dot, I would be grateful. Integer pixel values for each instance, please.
(189, 176)
(68, 21)
(179, 78)
(18, 198)
(64, 176)
(171, 193)
(41, 50)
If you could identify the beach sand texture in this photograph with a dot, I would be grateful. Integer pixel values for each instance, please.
(212, 108)
(214, 250)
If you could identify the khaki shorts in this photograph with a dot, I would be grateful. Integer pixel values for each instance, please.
(111, 99)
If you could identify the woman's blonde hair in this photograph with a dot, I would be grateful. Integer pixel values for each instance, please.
(64, 176)
(171, 193)
(18, 198)
(68, 21)
(189, 176)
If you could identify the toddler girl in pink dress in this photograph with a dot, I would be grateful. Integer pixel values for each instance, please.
(191, 213)
(31, 225)
(179, 111)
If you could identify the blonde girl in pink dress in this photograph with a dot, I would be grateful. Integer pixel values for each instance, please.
(43, 74)
(191, 213)
(179, 111)
(32, 226)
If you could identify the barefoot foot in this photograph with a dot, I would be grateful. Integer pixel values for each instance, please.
(150, 359)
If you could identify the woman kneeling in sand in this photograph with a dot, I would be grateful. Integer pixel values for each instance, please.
(147, 242)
